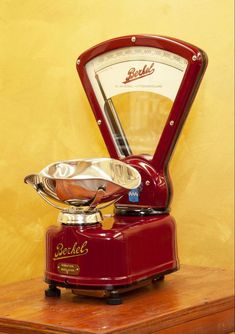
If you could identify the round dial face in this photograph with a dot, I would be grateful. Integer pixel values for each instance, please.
(136, 87)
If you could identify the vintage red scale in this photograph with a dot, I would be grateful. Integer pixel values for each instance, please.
(140, 89)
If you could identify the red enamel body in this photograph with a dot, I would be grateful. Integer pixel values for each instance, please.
(133, 249)
(141, 240)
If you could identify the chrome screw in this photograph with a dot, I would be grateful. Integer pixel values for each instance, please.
(99, 121)
(194, 57)
(78, 62)
(133, 39)
(147, 183)
(172, 123)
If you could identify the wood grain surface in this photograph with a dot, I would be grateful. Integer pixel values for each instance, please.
(192, 300)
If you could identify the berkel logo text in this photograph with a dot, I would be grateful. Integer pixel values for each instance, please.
(135, 74)
(63, 252)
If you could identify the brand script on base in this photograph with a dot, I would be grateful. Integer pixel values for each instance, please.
(63, 252)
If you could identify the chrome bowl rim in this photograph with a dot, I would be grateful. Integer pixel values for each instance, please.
(43, 173)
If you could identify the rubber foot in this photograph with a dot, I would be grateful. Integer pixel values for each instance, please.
(158, 278)
(52, 291)
(114, 299)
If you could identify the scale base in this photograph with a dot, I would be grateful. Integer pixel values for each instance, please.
(101, 261)
(111, 294)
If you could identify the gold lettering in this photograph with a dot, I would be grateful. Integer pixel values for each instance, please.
(59, 248)
(74, 248)
(66, 252)
(83, 249)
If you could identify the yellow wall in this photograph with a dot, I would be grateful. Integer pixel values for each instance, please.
(45, 117)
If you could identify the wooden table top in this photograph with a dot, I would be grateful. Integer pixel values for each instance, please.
(182, 298)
